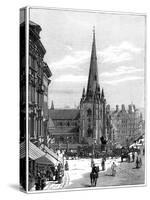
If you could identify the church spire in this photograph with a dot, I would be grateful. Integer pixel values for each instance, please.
(102, 93)
(83, 93)
(52, 105)
(93, 72)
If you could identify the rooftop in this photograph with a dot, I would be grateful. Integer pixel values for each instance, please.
(64, 114)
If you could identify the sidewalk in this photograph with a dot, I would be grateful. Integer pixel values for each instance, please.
(53, 185)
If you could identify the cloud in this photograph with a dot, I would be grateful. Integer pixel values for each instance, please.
(129, 78)
(73, 60)
(125, 51)
(129, 47)
(69, 47)
(121, 70)
(117, 54)
(71, 78)
(65, 91)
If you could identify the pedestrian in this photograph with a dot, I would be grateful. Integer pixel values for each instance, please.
(129, 157)
(133, 156)
(56, 174)
(143, 151)
(43, 182)
(66, 166)
(103, 164)
(38, 182)
(138, 160)
(113, 168)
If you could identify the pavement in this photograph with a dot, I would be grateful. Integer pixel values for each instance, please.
(77, 170)
(53, 185)
(127, 174)
(78, 174)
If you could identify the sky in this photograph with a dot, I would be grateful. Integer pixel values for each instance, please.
(120, 45)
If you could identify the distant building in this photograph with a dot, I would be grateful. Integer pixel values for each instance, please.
(66, 126)
(87, 124)
(127, 124)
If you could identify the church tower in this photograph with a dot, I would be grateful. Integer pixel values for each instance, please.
(92, 105)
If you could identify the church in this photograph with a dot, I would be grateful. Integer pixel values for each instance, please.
(71, 128)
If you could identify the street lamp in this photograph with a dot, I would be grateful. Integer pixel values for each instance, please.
(93, 147)
(67, 141)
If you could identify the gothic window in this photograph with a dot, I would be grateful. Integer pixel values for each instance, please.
(95, 77)
(89, 112)
(89, 132)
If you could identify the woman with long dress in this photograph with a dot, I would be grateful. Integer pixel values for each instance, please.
(113, 168)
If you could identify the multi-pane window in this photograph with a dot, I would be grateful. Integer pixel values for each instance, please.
(33, 62)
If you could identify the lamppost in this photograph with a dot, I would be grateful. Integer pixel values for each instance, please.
(67, 142)
(93, 147)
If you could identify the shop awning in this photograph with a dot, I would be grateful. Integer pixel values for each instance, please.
(53, 160)
(37, 154)
(34, 151)
(45, 160)
(22, 150)
(52, 154)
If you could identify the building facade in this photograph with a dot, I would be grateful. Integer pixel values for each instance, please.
(127, 124)
(65, 127)
(39, 74)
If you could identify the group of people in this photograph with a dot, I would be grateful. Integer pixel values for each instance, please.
(95, 169)
(40, 181)
(135, 156)
(51, 174)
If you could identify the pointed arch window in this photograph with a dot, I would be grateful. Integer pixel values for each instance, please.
(89, 132)
(89, 112)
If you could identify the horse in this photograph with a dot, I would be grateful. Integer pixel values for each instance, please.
(93, 177)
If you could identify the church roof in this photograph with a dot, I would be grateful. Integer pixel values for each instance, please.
(64, 114)
(50, 123)
(65, 131)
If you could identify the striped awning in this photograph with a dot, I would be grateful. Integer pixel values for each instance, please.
(22, 150)
(46, 160)
(52, 154)
(34, 151)
(53, 160)
(37, 154)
